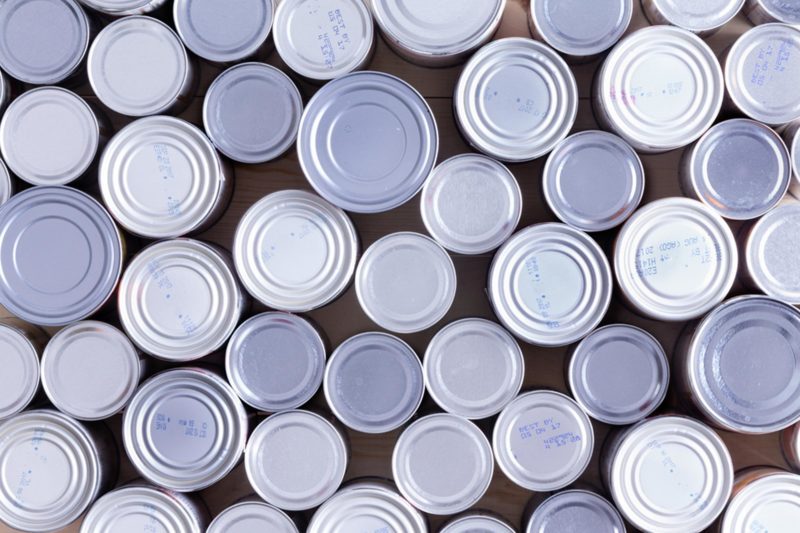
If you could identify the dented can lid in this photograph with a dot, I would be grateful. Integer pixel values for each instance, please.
(19, 380)
(772, 252)
(247, 517)
(575, 510)
(477, 523)
(770, 504)
(581, 29)
(699, 16)
(121, 8)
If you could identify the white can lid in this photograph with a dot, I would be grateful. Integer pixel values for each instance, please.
(772, 253)
(770, 504)
(250, 517)
(19, 380)
(581, 29)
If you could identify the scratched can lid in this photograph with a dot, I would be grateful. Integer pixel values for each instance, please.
(771, 253)
(575, 510)
(697, 16)
(581, 29)
(6, 185)
(247, 517)
(19, 380)
(773, 11)
(477, 523)
(770, 504)
(119, 8)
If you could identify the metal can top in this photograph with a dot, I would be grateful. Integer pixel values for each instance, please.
(275, 361)
(550, 284)
(477, 523)
(581, 29)
(575, 510)
(593, 180)
(294, 251)
(184, 429)
(405, 282)
(19, 380)
(770, 504)
(473, 368)
(5, 91)
(698, 15)
(179, 300)
(675, 259)
(138, 66)
(60, 255)
(6, 187)
(252, 112)
(515, 99)
(619, 374)
(779, 10)
(296, 460)
(771, 253)
(247, 517)
(121, 8)
(471, 204)
(371, 157)
(794, 155)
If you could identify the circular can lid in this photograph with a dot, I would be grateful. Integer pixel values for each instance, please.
(49, 136)
(60, 255)
(575, 510)
(294, 251)
(275, 361)
(770, 504)
(296, 460)
(698, 15)
(6, 186)
(619, 374)
(581, 29)
(675, 259)
(370, 157)
(252, 112)
(593, 180)
(515, 99)
(772, 253)
(121, 8)
(179, 300)
(477, 523)
(794, 155)
(463, 458)
(550, 284)
(19, 380)
(405, 282)
(473, 368)
(184, 429)
(373, 382)
(779, 10)
(247, 517)
(471, 204)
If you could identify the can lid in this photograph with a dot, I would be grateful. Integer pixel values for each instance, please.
(463, 458)
(780, 10)
(794, 155)
(275, 361)
(184, 429)
(582, 28)
(575, 510)
(247, 517)
(19, 380)
(769, 504)
(296, 460)
(294, 251)
(49, 136)
(373, 382)
(477, 523)
(138, 66)
(516, 99)
(405, 282)
(123, 7)
(371, 157)
(60, 255)
(698, 16)
(619, 374)
(593, 180)
(252, 112)
(471, 204)
(675, 259)
(6, 187)
(473, 368)
(772, 253)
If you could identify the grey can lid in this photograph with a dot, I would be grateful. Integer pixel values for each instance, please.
(780, 10)
(581, 28)
(698, 15)
(249, 517)
(19, 380)
(772, 253)
(477, 523)
(575, 510)
(6, 186)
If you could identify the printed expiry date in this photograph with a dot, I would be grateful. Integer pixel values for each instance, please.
(548, 432)
(336, 38)
(189, 426)
(653, 259)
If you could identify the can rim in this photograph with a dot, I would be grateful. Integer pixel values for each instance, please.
(227, 518)
(129, 7)
(562, 42)
(776, 487)
(6, 186)
(723, 15)
(477, 522)
(30, 357)
(755, 245)
(598, 503)
(770, 8)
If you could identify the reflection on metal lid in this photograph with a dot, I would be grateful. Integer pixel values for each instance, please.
(121, 8)
(19, 380)
(6, 186)
(477, 523)
(250, 517)
(575, 510)
(580, 29)
(772, 253)
(770, 504)
(699, 16)
(763, 11)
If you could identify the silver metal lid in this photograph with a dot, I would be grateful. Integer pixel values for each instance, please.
(294, 251)
(471, 204)
(442, 464)
(60, 255)
(179, 300)
(121, 8)
(473, 368)
(184, 429)
(5, 91)
(515, 99)
(405, 282)
(275, 361)
(296, 460)
(370, 157)
(6, 186)
(581, 29)
(793, 144)
(477, 523)
(772, 253)
(697, 15)
(770, 505)
(575, 510)
(49, 136)
(675, 259)
(19, 380)
(593, 180)
(773, 11)
(249, 517)
(252, 112)
(550, 284)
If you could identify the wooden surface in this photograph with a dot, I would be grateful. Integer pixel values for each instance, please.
(371, 454)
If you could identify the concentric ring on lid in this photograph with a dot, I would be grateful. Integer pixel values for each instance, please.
(121, 8)
(772, 253)
(698, 16)
(6, 186)
(771, 504)
(579, 510)
(580, 29)
(477, 523)
(252, 516)
(19, 380)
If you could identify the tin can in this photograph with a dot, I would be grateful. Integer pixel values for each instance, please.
(161, 178)
(578, 510)
(791, 136)
(477, 522)
(21, 345)
(515, 100)
(703, 18)
(6, 185)
(405, 282)
(550, 284)
(471, 204)
(296, 460)
(675, 259)
(790, 445)
(5, 92)
(184, 429)
(294, 251)
(765, 11)
(252, 112)
(121, 8)
(659, 89)
(764, 499)
(371, 157)
(593, 181)
(249, 516)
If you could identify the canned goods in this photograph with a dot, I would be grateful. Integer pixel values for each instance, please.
(703, 18)
(764, 11)
(5, 92)
(575, 510)
(296, 460)
(543, 441)
(791, 135)
(477, 523)
(675, 259)
(473, 368)
(405, 282)
(770, 248)
(120, 8)
(764, 499)
(184, 429)
(593, 180)
(790, 445)
(515, 100)
(20, 347)
(60, 255)
(471, 204)
(371, 157)
(6, 186)
(550, 284)
(249, 516)
(659, 89)
(179, 300)
(294, 251)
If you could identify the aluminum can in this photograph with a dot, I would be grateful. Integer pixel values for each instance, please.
(703, 17)
(575, 510)
(791, 136)
(21, 345)
(250, 516)
(121, 8)
(765, 11)
(764, 499)
(790, 445)
(477, 522)
(6, 185)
